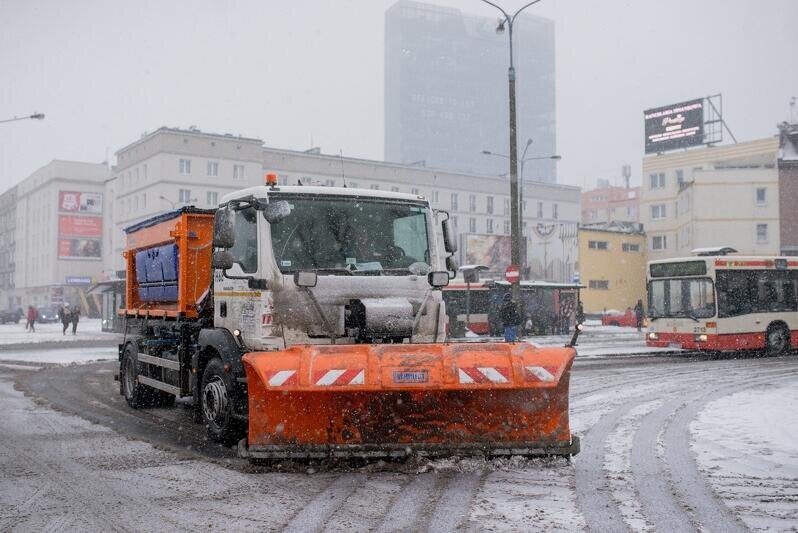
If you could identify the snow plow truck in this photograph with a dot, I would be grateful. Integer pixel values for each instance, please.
(307, 322)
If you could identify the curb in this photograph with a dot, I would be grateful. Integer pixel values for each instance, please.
(54, 345)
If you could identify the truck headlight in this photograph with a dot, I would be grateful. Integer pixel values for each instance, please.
(653, 336)
(701, 338)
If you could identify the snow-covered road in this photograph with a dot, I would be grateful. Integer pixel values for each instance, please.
(668, 444)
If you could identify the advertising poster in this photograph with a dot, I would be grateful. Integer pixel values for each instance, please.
(674, 126)
(80, 202)
(493, 251)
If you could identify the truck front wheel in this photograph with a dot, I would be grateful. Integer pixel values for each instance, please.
(217, 398)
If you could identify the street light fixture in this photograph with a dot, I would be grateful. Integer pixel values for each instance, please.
(165, 199)
(515, 237)
(35, 116)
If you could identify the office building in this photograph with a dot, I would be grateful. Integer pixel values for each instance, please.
(446, 95)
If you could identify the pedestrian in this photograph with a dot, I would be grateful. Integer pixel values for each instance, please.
(510, 319)
(33, 314)
(63, 312)
(580, 313)
(639, 314)
(529, 326)
(74, 315)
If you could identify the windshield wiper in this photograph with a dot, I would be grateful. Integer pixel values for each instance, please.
(342, 270)
(691, 315)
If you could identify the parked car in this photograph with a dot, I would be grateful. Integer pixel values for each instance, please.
(613, 317)
(10, 315)
(48, 314)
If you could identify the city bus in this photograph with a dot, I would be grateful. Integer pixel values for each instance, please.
(716, 302)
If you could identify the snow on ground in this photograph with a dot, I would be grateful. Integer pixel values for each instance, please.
(88, 329)
(747, 446)
(62, 356)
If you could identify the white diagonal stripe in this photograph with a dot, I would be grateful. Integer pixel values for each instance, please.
(359, 379)
(541, 373)
(281, 377)
(330, 377)
(464, 378)
(492, 374)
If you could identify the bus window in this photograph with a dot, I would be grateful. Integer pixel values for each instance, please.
(689, 297)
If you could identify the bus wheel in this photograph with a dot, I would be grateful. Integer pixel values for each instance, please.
(777, 340)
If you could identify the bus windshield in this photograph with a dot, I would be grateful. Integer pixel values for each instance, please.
(350, 235)
(687, 297)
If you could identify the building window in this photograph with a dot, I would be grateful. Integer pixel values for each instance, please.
(185, 166)
(600, 284)
(659, 242)
(238, 172)
(680, 178)
(213, 168)
(329, 182)
(658, 211)
(489, 225)
(761, 233)
(489, 205)
(629, 247)
(506, 206)
(414, 191)
(555, 211)
(540, 210)
(145, 171)
(282, 180)
(212, 198)
(506, 227)
(598, 245)
(454, 201)
(434, 197)
(184, 196)
(395, 189)
(472, 225)
(375, 187)
(656, 180)
(761, 196)
(472, 203)
(454, 222)
(144, 201)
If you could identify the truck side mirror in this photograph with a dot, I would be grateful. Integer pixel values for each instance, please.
(449, 240)
(224, 235)
(451, 265)
(305, 279)
(222, 259)
(438, 279)
(274, 212)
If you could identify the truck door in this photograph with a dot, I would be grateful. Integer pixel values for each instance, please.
(236, 306)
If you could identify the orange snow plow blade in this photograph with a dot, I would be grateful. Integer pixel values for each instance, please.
(393, 400)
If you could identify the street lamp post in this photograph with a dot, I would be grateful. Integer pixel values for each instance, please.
(35, 116)
(165, 199)
(515, 238)
(524, 159)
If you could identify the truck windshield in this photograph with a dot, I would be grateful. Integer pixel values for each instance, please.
(351, 235)
(688, 298)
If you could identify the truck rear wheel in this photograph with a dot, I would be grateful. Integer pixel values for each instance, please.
(136, 394)
(217, 398)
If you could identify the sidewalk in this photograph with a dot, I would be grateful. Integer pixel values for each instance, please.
(49, 336)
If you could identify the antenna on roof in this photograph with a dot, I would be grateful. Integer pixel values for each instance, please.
(341, 154)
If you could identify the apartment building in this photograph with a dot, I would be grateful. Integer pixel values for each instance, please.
(609, 203)
(712, 196)
(171, 168)
(8, 225)
(612, 265)
(788, 188)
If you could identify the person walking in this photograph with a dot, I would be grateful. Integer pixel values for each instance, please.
(510, 319)
(32, 315)
(580, 313)
(639, 314)
(74, 316)
(63, 312)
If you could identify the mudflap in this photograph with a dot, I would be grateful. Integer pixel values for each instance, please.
(393, 401)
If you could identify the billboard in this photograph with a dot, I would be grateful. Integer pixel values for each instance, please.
(80, 225)
(493, 251)
(674, 126)
(80, 202)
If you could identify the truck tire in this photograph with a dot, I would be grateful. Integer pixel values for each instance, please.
(217, 397)
(136, 395)
(777, 340)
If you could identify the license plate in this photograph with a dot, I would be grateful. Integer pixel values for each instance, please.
(410, 376)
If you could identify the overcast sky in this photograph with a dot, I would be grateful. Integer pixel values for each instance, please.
(311, 71)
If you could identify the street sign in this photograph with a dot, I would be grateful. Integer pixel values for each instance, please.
(78, 280)
(512, 274)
